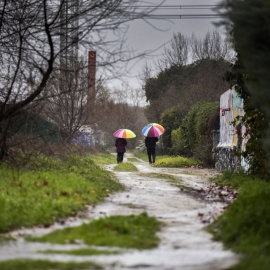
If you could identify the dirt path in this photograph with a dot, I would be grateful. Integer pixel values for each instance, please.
(184, 244)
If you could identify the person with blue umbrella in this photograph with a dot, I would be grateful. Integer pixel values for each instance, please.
(150, 143)
(152, 131)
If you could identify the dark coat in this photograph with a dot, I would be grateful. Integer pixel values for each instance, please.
(120, 144)
(150, 142)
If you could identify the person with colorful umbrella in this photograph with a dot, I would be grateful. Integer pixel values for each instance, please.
(122, 135)
(152, 131)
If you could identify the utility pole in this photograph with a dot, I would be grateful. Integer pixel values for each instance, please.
(69, 34)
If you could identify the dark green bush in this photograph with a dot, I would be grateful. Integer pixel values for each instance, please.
(194, 137)
(171, 119)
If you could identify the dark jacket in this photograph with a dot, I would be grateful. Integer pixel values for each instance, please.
(120, 144)
(150, 142)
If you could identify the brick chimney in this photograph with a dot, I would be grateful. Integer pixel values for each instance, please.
(91, 76)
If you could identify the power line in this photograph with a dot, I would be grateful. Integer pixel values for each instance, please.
(184, 16)
(182, 7)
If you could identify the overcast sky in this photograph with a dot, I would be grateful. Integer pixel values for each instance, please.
(154, 34)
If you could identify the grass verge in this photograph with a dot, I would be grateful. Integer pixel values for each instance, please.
(125, 167)
(245, 226)
(104, 158)
(57, 189)
(160, 175)
(133, 160)
(140, 155)
(175, 161)
(173, 180)
(82, 252)
(118, 231)
(27, 264)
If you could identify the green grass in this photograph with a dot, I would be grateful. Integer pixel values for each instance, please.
(234, 180)
(104, 158)
(27, 264)
(119, 231)
(82, 252)
(55, 188)
(245, 226)
(160, 175)
(140, 155)
(133, 160)
(173, 180)
(125, 167)
(175, 161)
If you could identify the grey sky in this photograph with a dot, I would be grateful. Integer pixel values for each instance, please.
(142, 37)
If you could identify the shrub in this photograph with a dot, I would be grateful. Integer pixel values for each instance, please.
(193, 137)
(171, 119)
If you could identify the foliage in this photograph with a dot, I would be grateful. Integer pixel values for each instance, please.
(171, 119)
(125, 167)
(133, 160)
(244, 226)
(26, 122)
(28, 264)
(140, 155)
(184, 86)
(195, 132)
(155, 87)
(176, 161)
(234, 179)
(178, 142)
(251, 35)
(58, 189)
(103, 158)
(35, 28)
(254, 120)
(119, 231)
(160, 176)
(81, 252)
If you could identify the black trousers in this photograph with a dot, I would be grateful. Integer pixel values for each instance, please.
(151, 152)
(120, 157)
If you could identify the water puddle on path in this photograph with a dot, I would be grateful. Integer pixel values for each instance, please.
(184, 243)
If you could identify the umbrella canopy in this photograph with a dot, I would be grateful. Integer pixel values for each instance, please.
(153, 130)
(124, 133)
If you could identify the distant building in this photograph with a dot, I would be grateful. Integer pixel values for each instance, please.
(89, 136)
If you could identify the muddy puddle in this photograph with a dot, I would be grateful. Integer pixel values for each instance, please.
(184, 243)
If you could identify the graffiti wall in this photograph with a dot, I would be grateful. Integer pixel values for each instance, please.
(231, 135)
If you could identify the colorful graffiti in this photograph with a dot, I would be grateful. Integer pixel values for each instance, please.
(231, 134)
(231, 107)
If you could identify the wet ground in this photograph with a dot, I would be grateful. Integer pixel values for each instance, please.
(184, 243)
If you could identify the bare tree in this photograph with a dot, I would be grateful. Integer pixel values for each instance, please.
(213, 46)
(176, 53)
(66, 104)
(127, 94)
(30, 32)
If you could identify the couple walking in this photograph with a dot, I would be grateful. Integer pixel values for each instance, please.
(150, 143)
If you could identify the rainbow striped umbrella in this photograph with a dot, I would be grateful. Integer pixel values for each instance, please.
(153, 130)
(124, 133)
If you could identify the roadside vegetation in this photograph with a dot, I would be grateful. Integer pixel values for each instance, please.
(116, 231)
(175, 161)
(245, 226)
(82, 252)
(173, 180)
(28, 264)
(103, 158)
(168, 161)
(125, 167)
(133, 160)
(141, 154)
(57, 188)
